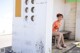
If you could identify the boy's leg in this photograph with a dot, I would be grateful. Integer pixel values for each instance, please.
(63, 43)
(59, 37)
(62, 38)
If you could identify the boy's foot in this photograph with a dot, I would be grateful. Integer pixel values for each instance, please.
(59, 47)
(64, 46)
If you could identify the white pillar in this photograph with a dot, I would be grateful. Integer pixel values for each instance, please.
(77, 36)
(33, 35)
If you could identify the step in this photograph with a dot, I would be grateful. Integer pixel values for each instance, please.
(64, 50)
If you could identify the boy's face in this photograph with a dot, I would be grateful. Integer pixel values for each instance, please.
(60, 18)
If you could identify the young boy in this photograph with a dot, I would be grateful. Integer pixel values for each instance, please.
(55, 30)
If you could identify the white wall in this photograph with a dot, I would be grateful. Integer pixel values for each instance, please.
(70, 18)
(33, 37)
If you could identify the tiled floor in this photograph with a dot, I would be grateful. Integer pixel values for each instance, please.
(69, 44)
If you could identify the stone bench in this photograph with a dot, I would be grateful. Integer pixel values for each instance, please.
(65, 33)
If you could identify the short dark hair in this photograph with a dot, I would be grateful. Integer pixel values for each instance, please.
(58, 15)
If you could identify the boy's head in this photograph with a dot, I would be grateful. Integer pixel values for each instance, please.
(59, 16)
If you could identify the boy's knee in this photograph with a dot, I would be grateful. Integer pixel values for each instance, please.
(61, 34)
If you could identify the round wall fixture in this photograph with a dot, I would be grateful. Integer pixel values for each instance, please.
(26, 2)
(26, 17)
(32, 9)
(26, 9)
(32, 18)
(32, 1)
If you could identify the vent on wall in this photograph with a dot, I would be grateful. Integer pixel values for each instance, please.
(29, 9)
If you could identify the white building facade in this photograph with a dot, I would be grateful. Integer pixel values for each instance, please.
(32, 25)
